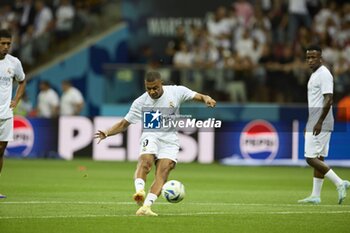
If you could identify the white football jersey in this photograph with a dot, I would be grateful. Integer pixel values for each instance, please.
(10, 70)
(47, 101)
(171, 98)
(69, 100)
(320, 83)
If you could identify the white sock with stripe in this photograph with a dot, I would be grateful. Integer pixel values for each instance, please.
(150, 199)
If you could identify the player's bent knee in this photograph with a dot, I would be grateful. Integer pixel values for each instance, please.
(311, 161)
(145, 165)
(167, 163)
(166, 167)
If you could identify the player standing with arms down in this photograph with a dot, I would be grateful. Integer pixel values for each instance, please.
(10, 69)
(319, 127)
(48, 101)
(72, 101)
(159, 148)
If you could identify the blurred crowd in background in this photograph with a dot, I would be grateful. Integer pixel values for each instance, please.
(249, 51)
(40, 27)
(259, 46)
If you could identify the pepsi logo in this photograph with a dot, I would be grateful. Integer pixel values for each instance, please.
(259, 140)
(23, 137)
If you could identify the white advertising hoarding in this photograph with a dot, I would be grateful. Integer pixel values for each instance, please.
(76, 133)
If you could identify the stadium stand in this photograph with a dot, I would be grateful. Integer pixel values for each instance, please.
(258, 44)
(261, 43)
(44, 29)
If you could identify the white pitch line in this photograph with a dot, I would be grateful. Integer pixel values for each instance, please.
(173, 214)
(164, 203)
(65, 216)
(67, 202)
(265, 204)
(310, 212)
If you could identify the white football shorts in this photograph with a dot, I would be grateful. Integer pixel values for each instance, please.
(317, 146)
(160, 148)
(6, 130)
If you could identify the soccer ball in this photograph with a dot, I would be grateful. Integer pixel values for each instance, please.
(173, 191)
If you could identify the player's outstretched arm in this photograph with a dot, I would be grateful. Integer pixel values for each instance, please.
(115, 129)
(205, 99)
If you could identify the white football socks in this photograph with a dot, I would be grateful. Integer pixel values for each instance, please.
(139, 184)
(150, 199)
(333, 177)
(317, 187)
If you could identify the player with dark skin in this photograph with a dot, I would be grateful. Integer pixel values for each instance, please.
(314, 61)
(319, 127)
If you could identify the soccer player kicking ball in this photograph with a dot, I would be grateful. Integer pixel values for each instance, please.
(10, 70)
(156, 147)
(319, 127)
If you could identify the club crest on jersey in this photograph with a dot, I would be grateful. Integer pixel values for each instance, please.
(259, 140)
(10, 71)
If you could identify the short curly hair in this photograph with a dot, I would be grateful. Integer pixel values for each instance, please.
(4, 33)
(314, 47)
(152, 76)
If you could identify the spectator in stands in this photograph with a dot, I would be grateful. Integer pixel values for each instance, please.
(173, 45)
(72, 100)
(83, 21)
(268, 74)
(43, 25)
(206, 56)
(298, 16)
(243, 68)
(244, 11)
(65, 13)
(7, 16)
(8, 21)
(286, 82)
(279, 23)
(343, 33)
(183, 58)
(261, 28)
(314, 6)
(244, 45)
(48, 101)
(327, 14)
(26, 52)
(303, 39)
(194, 36)
(341, 71)
(26, 15)
(219, 28)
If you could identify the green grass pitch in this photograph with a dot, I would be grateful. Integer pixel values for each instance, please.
(85, 196)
